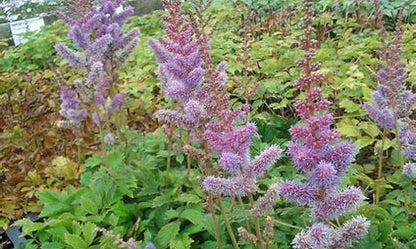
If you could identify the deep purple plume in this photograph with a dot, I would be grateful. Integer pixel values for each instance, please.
(317, 151)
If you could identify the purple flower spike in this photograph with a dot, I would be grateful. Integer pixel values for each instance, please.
(102, 46)
(109, 139)
(409, 169)
(352, 231)
(264, 161)
(324, 175)
(318, 151)
(338, 204)
(320, 235)
(228, 187)
(76, 60)
(298, 192)
(231, 162)
(115, 104)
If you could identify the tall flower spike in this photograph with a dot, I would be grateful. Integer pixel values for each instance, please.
(392, 104)
(180, 68)
(317, 151)
(102, 47)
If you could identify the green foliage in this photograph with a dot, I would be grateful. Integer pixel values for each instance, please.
(123, 189)
(36, 54)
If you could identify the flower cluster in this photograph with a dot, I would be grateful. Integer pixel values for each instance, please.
(321, 235)
(130, 244)
(182, 71)
(102, 46)
(232, 143)
(393, 103)
(317, 151)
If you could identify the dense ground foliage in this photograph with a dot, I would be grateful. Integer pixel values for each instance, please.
(146, 186)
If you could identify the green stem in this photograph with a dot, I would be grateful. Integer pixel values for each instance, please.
(228, 225)
(188, 161)
(401, 161)
(240, 200)
(168, 162)
(399, 145)
(287, 224)
(256, 224)
(214, 219)
(380, 168)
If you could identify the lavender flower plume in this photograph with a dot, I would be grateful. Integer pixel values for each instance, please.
(232, 143)
(99, 98)
(71, 108)
(336, 204)
(263, 161)
(393, 103)
(228, 187)
(298, 192)
(74, 59)
(352, 231)
(130, 243)
(101, 47)
(301, 241)
(115, 104)
(150, 246)
(320, 235)
(186, 72)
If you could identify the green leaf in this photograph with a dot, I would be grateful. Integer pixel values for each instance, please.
(385, 228)
(189, 198)
(29, 226)
(181, 242)
(93, 161)
(89, 232)
(194, 216)
(75, 241)
(166, 234)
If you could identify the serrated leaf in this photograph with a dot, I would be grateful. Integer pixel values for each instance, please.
(166, 234)
(75, 241)
(193, 216)
(181, 242)
(88, 232)
(29, 226)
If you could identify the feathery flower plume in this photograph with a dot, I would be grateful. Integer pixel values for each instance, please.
(353, 230)
(317, 151)
(180, 69)
(101, 47)
(232, 143)
(392, 103)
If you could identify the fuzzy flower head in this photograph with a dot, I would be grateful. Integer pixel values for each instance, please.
(232, 143)
(409, 169)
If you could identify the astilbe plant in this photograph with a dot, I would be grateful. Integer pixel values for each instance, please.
(393, 104)
(189, 76)
(101, 47)
(182, 73)
(317, 151)
(232, 143)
